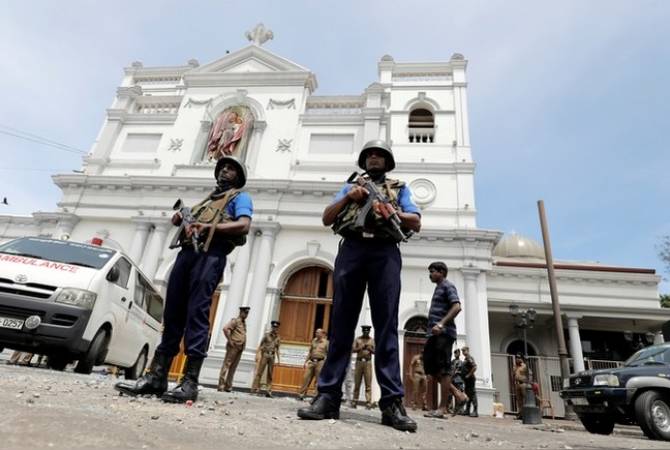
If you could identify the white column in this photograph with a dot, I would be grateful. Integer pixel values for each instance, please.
(575, 344)
(477, 327)
(139, 239)
(155, 249)
(66, 223)
(259, 285)
(233, 299)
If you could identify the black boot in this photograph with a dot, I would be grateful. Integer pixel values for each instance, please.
(473, 398)
(320, 408)
(395, 416)
(188, 388)
(154, 382)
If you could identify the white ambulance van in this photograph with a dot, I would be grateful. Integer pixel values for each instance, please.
(73, 301)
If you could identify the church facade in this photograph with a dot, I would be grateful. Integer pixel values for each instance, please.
(299, 148)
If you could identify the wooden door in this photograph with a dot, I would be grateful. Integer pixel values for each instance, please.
(179, 362)
(305, 306)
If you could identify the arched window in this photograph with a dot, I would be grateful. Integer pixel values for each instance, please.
(421, 126)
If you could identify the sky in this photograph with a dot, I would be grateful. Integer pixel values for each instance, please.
(569, 101)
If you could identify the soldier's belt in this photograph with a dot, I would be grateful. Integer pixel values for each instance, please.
(364, 359)
(316, 359)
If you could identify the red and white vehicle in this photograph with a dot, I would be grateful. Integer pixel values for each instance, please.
(74, 301)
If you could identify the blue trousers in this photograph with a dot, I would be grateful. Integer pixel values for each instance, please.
(190, 288)
(375, 265)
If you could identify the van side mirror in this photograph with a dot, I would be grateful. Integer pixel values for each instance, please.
(113, 274)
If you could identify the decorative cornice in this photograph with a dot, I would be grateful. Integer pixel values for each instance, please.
(129, 92)
(229, 79)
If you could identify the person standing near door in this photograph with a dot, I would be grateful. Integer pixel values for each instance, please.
(364, 347)
(220, 223)
(417, 376)
(267, 351)
(314, 361)
(368, 256)
(520, 384)
(444, 307)
(236, 334)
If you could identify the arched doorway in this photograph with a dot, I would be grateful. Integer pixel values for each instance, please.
(517, 348)
(304, 307)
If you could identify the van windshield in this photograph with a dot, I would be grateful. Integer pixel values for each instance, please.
(67, 252)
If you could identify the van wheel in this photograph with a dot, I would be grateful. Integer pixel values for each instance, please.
(57, 362)
(652, 411)
(96, 351)
(136, 371)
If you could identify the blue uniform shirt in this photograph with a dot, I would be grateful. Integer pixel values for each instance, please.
(238, 207)
(405, 201)
(444, 297)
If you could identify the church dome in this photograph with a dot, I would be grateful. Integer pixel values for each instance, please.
(516, 246)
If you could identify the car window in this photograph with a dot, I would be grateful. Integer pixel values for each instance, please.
(140, 288)
(68, 252)
(650, 356)
(154, 304)
(124, 267)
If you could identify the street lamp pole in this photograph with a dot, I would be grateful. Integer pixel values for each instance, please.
(524, 320)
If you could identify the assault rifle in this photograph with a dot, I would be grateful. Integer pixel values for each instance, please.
(376, 195)
(187, 219)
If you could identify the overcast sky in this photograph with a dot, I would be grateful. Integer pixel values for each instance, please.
(569, 101)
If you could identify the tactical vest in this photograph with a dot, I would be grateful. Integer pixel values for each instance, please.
(374, 223)
(215, 212)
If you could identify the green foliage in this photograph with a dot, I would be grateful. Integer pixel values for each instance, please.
(665, 300)
(664, 251)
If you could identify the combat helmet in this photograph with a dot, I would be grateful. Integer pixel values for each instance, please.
(241, 170)
(379, 145)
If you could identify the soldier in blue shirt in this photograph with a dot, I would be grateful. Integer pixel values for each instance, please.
(444, 307)
(368, 256)
(222, 222)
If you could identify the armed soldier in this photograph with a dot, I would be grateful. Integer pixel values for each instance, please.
(266, 353)
(236, 334)
(364, 347)
(368, 256)
(222, 223)
(314, 361)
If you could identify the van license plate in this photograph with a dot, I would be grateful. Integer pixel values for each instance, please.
(14, 324)
(579, 401)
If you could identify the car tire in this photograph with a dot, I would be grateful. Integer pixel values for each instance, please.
(652, 411)
(96, 351)
(57, 362)
(137, 369)
(597, 423)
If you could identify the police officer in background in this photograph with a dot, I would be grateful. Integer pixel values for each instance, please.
(222, 223)
(318, 351)
(468, 370)
(266, 353)
(367, 257)
(364, 347)
(236, 334)
(417, 375)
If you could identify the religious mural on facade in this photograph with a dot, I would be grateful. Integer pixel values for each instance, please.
(230, 133)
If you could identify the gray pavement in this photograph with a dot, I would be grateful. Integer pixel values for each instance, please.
(42, 408)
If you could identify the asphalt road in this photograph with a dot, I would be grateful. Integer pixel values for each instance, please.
(42, 408)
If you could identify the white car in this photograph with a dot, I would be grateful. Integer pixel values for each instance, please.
(74, 301)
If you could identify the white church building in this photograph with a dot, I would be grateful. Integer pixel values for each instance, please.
(299, 148)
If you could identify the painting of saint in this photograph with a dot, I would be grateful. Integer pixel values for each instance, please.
(230, 133)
